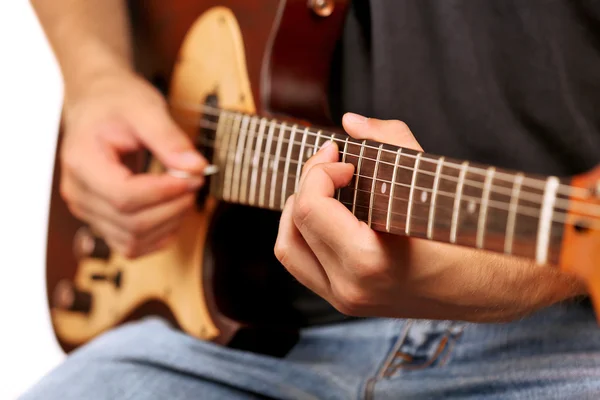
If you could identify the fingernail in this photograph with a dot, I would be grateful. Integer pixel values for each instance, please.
(356, 118)
(326, 145)
(190, 159)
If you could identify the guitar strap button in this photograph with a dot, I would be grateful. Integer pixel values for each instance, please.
(323, 8)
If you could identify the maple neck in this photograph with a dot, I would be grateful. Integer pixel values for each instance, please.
(395, 190)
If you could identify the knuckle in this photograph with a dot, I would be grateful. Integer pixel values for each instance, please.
(130, 247)
(352, 300)
(121, 203)
(281, 251)
(398, 125)
(137, 226)
(302, 211)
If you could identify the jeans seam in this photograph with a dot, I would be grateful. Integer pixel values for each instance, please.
(389, 359)
(447, 346)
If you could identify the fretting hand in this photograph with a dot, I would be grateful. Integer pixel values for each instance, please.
(362, 272)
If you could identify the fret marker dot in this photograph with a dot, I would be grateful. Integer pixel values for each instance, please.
(471, 207)
(383, 187)
(423, 196)
(309, 153)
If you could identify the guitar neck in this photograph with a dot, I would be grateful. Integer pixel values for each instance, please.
(394, 189)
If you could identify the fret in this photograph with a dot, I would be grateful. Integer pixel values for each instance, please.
(282, 131)
(344, 152)
(412, 193)
(256, 160)
(457, 199)
(388, 221)
(224, 122)
(230, 157)
(247, 160)
(373, 184)
(512, 213)
(544, 226)
(286, 168)
(487, 185)
(317, 143)
(434, 193)
(447, 186)
(358, 168)
(300, 157)
(235, 185)
(265, 165)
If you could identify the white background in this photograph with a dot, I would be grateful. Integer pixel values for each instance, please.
(30, 101)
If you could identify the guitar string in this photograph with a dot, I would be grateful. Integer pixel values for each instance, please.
(558, 216)
(524, 195)
(560, 204)
(441, 224)
(536, 183)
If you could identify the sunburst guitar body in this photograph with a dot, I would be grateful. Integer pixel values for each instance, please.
(241, 76)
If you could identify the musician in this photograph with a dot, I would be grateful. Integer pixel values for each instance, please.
(510, 83)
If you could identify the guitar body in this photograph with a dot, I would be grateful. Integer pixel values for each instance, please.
(212, 281)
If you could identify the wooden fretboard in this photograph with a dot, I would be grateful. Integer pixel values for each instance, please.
(395, 190)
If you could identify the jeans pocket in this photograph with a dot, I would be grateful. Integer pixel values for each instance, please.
(424, 344)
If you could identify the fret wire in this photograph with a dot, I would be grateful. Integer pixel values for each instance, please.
(276, 165)
(265, 165)
(247, 160)
(392, 186)
(317, 142)
(412, 193)
(300, 157)
(457, 200)
(286, 168)
(512, 214)
(436, 183)
(344, 152)
(500, 175)
(256, 159)
(373, 185)
(545, 220)
(484, 206)
(360, 157)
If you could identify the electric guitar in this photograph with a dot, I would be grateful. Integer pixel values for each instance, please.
(242, 77)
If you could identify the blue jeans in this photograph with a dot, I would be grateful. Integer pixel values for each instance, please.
(554, 354)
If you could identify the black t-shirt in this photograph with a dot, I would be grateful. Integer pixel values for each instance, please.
(514, 83)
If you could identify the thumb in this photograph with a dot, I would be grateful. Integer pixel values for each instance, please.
(392, 132)
(169, 143)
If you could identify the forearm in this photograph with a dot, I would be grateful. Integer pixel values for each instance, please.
(89, 38)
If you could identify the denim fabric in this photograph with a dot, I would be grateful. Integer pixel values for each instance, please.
(554, 354)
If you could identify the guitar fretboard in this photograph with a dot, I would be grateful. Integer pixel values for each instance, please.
(395, 190)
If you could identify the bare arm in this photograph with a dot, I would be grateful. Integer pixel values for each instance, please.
(88, 37)
(109, 111)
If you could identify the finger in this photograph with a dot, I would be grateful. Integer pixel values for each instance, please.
(155, 240)
(296, 256)
(146, 221)
(392, 132)
(123, 190)
(167, 142)
(320, 218)
(136, 222)
(327, 153)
